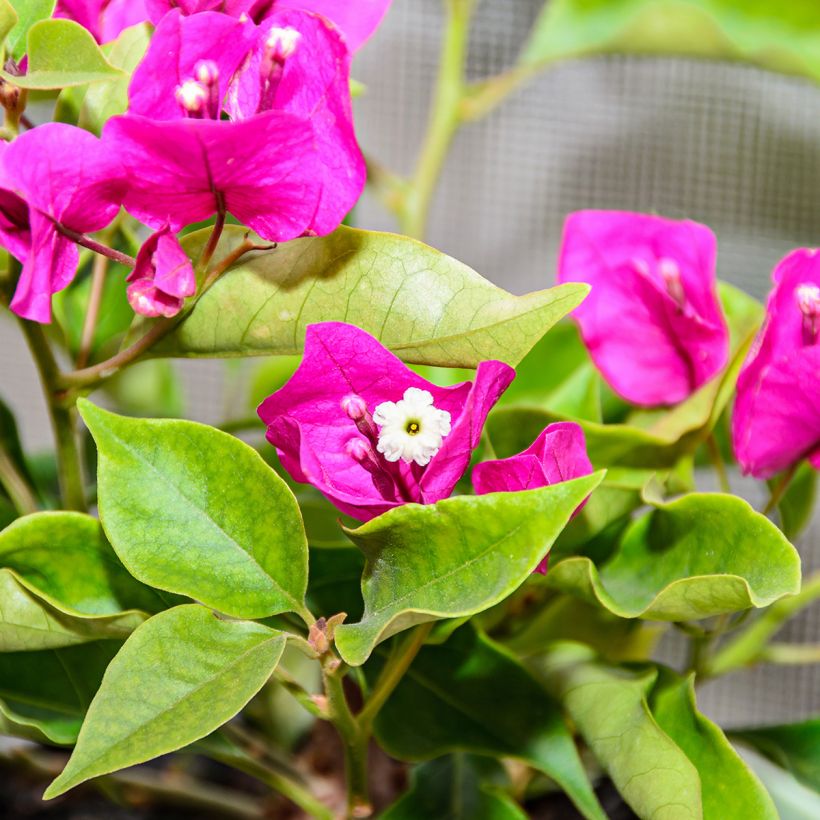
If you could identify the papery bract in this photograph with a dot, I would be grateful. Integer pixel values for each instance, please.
(162, 278)
(299, 64)
(105, 19)
(652, 321)
(776, 418)
(15, 226)
(322, 422)
(69, 178)
(558, 454)
(356, 19)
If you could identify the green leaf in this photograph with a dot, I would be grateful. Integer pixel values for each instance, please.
(29, 623)
(192, 510)
(793, 800)
(782, 37)
(664, 439)
(64, 559)
(449, 701)
(729, 790)
(28, 12)
(44, 695)
(334, 584)
(426, 307)
(452, 788)
(8, 19)
(108, 99)
(691, 558)
(796, 505)
(454, 558)
(609, 708)
(62, 54)
(177, 678)
(795, 747)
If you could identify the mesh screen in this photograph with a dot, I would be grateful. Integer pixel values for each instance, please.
(734, 147)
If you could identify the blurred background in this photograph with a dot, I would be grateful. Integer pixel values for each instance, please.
(735, 147)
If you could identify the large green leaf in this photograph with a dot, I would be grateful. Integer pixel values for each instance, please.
(645, 440)
(795, 747)
(454, 558)
(691, 558)
(729, 790)
(64, 558)
(449, 701)
(62, 54)
(609, 707)
(177, 678)
(28, 13)
(192, 510)
(28, 623)
(784, 37)
(45, 695)
(453, 788)
(423, 305)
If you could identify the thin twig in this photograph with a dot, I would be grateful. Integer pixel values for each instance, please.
(780, 488)
(98, 273)
(97, 247)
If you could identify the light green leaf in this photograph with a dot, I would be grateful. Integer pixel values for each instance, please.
(609, 708)
(106, 100)
(192, 510)
(62, 54)
(44, 695)
(729, 790)
(425, 306)
(177, 678)
(28, 12)
(453, 558)
(29, 623)
(449, 701)
(64, 559)
(8, 19)
(795, 747)
(782, 37)
(453, 788)
(691, 558)
(793, 800)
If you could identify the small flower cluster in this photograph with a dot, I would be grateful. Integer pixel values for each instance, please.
(237, 107)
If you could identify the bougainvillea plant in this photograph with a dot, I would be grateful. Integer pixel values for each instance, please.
(421, 569)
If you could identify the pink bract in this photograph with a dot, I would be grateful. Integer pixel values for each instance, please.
(105, 19)
(776, 419)
(558, 454)
(162, 278)
(69, 179)
(652, 321)
(345, 375)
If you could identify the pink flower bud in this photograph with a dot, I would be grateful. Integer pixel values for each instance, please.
(355, 406)
(358, 449)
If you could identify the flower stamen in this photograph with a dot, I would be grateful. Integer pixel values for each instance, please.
(807, 296)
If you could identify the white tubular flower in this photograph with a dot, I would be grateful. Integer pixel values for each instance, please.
(412, 429)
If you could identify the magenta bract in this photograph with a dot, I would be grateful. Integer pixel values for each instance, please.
(776, 419)
(162, 278)
(69, 178)
(369, 433)
(652, 321)
(15, 227)
(105, 19)
(558, 454)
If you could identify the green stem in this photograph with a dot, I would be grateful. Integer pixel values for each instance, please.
(15, 485)
(392, 673)
(444, 118)
(481, 98)
(780, 488)
(354, 740)
(69, 467)
(717, 462)
(791, 654)
(98, 272)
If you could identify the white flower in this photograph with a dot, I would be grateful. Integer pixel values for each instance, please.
(412, 429)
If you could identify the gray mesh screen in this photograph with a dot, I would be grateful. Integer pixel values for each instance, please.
(734, 147)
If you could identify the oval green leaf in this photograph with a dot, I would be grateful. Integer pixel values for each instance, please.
(449, 701)
(454, 558)
(27, 14)
(695, 557)
(425, 306)
(192, 510)
(179, 677)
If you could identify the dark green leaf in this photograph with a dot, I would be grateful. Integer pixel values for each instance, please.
(454, 558)
(334, 582)
(425, 306)
(192, 510)
(470, 695)
(177, 678)
(452, 788)
(691, 558)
